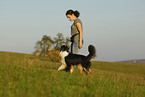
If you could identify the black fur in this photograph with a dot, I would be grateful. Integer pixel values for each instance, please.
(76, 59)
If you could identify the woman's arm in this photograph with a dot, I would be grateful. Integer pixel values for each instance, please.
(79, 26)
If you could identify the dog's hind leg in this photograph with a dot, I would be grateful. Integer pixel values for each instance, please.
(80, 68)
(87, 68)
(62, 67)
(87, 71)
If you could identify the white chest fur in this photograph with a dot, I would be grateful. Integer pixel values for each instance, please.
(63, 54)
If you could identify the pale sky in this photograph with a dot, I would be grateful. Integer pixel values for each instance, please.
(115, 27)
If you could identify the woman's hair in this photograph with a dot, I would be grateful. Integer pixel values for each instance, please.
(76, 13)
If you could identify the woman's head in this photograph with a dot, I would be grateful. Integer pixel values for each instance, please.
(71, 15)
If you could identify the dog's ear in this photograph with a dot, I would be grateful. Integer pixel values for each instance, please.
(67, 48)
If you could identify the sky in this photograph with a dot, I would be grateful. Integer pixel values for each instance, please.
(115, 27)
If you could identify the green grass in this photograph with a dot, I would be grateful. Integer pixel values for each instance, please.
(23, 75)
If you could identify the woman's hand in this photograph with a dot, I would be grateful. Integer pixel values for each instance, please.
(80, 45)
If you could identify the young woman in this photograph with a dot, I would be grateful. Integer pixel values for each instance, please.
(76, 31)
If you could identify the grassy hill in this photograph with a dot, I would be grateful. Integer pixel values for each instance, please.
(23, 75)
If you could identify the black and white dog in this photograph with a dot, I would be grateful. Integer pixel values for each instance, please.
(70, 60)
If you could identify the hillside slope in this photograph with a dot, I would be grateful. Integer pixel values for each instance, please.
(23, 75)
(138, 61)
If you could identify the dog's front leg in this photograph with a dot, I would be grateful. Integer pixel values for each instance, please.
(71, 69)
(62, 67)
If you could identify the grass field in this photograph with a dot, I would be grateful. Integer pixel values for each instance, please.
(23, 75)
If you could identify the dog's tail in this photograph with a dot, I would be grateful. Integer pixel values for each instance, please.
(92, 52)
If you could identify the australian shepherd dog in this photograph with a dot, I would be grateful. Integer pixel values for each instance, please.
(69, 60)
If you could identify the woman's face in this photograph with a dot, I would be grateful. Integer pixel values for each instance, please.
(70, 17)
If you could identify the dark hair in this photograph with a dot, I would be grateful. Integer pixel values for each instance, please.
(76, 13)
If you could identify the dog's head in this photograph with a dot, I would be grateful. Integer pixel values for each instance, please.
(64, 51)
(64, 48)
